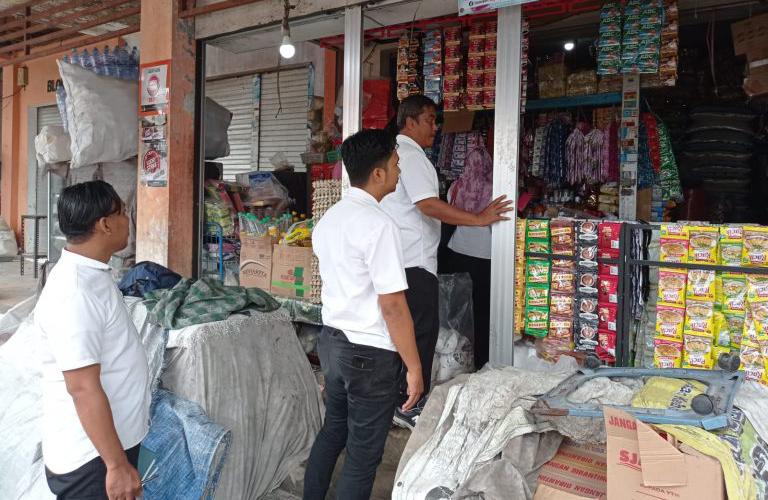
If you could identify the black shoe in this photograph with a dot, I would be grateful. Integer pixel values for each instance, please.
(407, 419)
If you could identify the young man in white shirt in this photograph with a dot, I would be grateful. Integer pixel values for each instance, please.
(418, 210)
(368, 332)
(95, 371)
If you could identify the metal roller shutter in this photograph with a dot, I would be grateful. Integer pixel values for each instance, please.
(286, 132)
(48, 115)
(237, 95)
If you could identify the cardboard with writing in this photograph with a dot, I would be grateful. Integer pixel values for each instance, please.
(576, 471)
(256, 262)
(642, 464)
(291, 272)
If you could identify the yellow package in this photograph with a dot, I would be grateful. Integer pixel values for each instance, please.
(749, 333)
(759, 314)
(722, 330)
(751, 359)
(668, 393)
(757, 288)
(755, 251)
(733, 292)
(735, 327)
(667, 353)
(702, 244)
(698, 352)
(731, 245)
(701, 285)
(699, 318)
(718, 351)
(674, 231)
(672, 287)
(669, 322)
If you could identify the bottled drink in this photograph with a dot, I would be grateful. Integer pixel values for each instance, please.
(75, 57)
(98, 64)
(109, 62)
(123, 70)
(86, 61)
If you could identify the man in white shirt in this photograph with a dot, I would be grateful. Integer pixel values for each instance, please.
(418, 210)
(95, 371)
(368, 332)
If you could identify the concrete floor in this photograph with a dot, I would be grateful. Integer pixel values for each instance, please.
(13, 287)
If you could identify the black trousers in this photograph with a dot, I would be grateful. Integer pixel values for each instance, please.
(89, 482)
(361, 392)
(423, 296)
(480, 272)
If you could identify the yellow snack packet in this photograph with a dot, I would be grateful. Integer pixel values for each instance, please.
(674, 231)
(702, 244)
(755, 250)
(733, 292)
(669, 322)
(698, 352)
(699, 318)
(667, 353)
(700, 285)
(731, 245)
(672, 287)
(757, 288)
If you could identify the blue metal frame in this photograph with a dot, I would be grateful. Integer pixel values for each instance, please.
(607, 99)
(218, 233)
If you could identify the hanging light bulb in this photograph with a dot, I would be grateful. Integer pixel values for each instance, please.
(569, 45)
(287, 49)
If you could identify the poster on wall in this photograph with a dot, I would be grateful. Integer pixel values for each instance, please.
(154, 163)
(467, 7)
(155, 94)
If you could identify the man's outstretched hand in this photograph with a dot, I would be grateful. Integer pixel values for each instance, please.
(495, 211)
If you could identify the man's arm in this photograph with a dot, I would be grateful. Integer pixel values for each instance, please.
(95, 413)
(396, 314)
(494, 212)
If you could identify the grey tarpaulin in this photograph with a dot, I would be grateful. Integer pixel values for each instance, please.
(250, 375)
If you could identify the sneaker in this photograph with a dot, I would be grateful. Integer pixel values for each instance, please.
(407, 419)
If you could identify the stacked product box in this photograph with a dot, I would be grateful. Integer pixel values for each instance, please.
(609, 43)
(608, 289)
(453, 68)
(408, 66)
(524, 48)
(587, 322)
(476, 66)
(670, 44)
(537, 278)
(433, 65)
(641, 36)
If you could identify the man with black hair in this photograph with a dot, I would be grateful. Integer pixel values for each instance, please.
(95, 371)
(368, 332)
(418, 210)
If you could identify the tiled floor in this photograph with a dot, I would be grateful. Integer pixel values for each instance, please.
(13, 287)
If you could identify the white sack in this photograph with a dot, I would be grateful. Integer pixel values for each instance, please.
(52, 145)
(217, 120)
(8, 246)
(102, 116)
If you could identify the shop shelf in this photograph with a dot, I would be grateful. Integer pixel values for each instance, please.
(607, 99)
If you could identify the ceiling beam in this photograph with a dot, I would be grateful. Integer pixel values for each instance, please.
(65, 33)
(10, 11)
(80, 42)
(214, 7)
(48, 18)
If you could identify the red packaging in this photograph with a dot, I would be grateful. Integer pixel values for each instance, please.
(606, 345)
(489, 80)
(608, 289)
(607, 314)
(477, 29)
(452, 34)
(474, 98)
(475, 63)
(489, 98)
(561, 305)
(608, 253)
(451, 85)
(563, 281)
(453, 68)
(452, 53)
(490, 60)
(609, 235)
(476, 45)
(491, 27)
(608, 269)
(561, 328)
(451, 102)
(490, 43)
(475, 79)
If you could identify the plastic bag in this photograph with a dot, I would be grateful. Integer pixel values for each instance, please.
(52, 145)
(217, 120)
(454, 352)
(265, 189)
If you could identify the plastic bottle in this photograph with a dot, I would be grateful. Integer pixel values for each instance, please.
(134, 61)
(123, 71)
(75, 57)
(108, 60)
(98, 63)
(86, 61)
(66, 58)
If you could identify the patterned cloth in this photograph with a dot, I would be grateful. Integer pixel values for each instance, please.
(193, 302)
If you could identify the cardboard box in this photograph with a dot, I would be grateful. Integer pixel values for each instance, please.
(291, 272)
(750, 38)
(256, 262)
(575, 472)
(642, 464)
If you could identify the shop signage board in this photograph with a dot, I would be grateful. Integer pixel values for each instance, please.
(630, 126)
(467, 7)
(155, 93)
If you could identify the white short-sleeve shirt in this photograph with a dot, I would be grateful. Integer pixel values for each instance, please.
(474, 241)
(358, 247)
(82, 320)
(420, 234)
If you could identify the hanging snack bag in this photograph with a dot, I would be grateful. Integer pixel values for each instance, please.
(537, 295)
(702, 244)
(751, 361)
(667, 353)
(538, 271)
(564, 264)
(562, 236)
(757, 288)
(672, 285)
(586, 334)
(561, 305)
(561, 327)
(669, 322)
(733, 291)
(698, 352)
(588, 282)
(587, 255)
(607, 341)
(673, 243)
(718, 351)
(537, 321)
(607, 316)
(586, 230)
(701, 285)
(722, 331)
(608, 269)
(563, 281)
(537, 229)
(755, 251)
(735, 326)
(731, 245)
(608, 289)
(609, 237)
(699, 318)
(586, 307)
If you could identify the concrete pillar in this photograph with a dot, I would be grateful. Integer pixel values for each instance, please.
(9, 176)
(166, 215)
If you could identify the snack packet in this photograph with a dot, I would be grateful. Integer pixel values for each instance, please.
(698, 352)
(537, 295)
(731, 245)
(699, 318)
(537, 321)
(538, 271)
(672, 287)
(561, 305)
(755, 250)
(701, 285)
(670, 322)
(667, 353)
(673, 243)
(702, 244)
(734, 293)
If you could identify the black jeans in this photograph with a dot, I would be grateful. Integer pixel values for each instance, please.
(361, 391)
(423, 296)
(89, 482)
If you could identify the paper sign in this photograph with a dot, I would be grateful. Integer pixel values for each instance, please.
(154, 163)
(155, 94)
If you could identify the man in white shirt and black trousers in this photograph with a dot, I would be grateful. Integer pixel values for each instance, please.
(368, 332)
(418, 210)
(96, 393)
